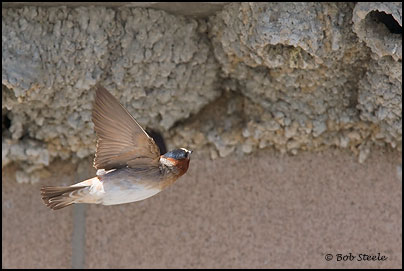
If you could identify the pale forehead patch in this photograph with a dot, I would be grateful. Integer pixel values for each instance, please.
(185, 149)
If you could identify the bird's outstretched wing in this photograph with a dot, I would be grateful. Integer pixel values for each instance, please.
(121, 141)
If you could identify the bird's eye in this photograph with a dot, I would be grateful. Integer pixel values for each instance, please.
(184, 154)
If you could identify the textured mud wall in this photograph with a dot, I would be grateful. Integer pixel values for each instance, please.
(292, 76)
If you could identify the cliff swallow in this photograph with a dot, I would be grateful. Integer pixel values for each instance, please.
(128, 162)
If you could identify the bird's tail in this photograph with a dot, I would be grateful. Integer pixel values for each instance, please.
(57, 197)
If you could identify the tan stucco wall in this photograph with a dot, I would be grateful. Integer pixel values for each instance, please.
(265, 210)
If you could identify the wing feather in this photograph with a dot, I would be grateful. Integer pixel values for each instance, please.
(121, 141)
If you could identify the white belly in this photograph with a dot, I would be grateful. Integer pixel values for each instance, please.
(116, 194)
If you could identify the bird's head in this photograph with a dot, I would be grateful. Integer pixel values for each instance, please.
(178, 158)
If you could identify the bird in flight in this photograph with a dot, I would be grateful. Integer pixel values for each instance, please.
(128, 161)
